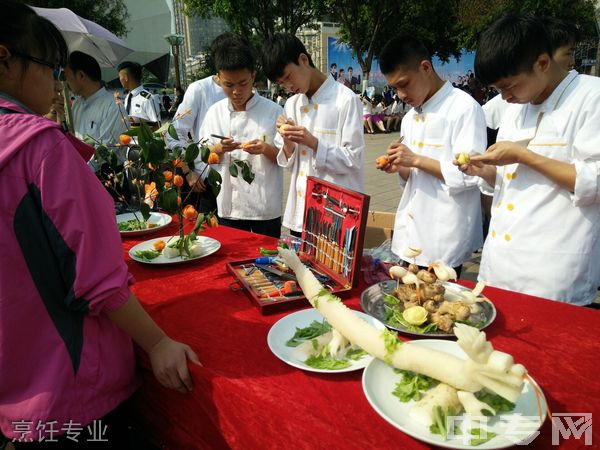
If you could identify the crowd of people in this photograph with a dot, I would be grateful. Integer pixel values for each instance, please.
(63, 272)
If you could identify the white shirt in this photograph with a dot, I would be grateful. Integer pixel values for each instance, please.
(443, 218)
(334, 116)
(494, 109)
(144, 105)
(367, 107)
(199, 96)
(543, 239)
(237, 199)
(99, 117)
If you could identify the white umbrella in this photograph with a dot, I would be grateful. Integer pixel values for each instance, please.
(87, 36)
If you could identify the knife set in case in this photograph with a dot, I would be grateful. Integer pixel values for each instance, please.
(331, 246)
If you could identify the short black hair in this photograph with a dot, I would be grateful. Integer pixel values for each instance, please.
(350, 68)
(510, 46)
(403, 51)
(86, 63)
(235, 57)
(23, 32)
(333, 65)
(560, 32)
(224, 40)
(280, 50)
(134, 69)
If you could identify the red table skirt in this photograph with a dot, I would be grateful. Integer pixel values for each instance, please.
(246, 398)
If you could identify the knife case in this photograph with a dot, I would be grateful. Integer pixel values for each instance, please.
(331, 245)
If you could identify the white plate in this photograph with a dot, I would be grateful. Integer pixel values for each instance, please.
(284, 329)
(159, 219)
(379, 381)
(209, 246)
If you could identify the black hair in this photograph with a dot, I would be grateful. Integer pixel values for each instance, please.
(333, 65)
(560, 32)
(86, 63)
(405, 51)
(350, 68)
(23, 32)
(132, 68)
(224, 40)
(510, 46)
(235, 57)
(280, 50)
(341, 70)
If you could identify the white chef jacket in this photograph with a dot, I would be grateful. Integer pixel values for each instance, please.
(494, 109)
(334, 116)
(543, 239)
(99, 117)
(199, 96)
(260, 200)
(144, 105)
(443, 218)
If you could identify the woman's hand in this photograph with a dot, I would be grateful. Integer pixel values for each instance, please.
(169, 364)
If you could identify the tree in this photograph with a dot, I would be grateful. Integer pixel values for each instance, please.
(474, 16)
(367, 26)
(261, 18)
(111, 14)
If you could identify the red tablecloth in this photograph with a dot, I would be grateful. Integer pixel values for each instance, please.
(246, 398)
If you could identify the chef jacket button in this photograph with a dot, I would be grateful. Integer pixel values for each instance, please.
(510, 206)
(507, 237)
(421, 144)
(303, 152)
(498, 205)
(301, 173)
(493, 233)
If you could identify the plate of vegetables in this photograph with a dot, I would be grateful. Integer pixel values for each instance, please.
(168, 250)
(133, 224)
(432, 411)
(305, 340)
(431, 310)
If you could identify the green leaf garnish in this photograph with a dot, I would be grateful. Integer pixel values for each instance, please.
(412, 385)
(315, 329)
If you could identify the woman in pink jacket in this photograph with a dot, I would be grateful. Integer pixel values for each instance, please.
(67, 316)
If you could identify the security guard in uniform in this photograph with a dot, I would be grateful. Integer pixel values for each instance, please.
(140, 104)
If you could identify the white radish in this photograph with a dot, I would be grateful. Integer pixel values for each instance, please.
(441, 395)
(467, 375)
(338, 344)
(472, 405)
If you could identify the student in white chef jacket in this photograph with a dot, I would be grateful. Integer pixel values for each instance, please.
(248, 122)
(140, 104)
(199, 96)
(439, 211)
(323, 136)
(544, 169)
(563, 37)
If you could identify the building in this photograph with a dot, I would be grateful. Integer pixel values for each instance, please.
(314, 37)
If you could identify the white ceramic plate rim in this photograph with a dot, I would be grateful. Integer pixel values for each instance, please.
(404, 423)
(155, 217)
(205, 241)
(284, 329)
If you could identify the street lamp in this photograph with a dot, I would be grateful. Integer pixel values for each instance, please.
(175, 40)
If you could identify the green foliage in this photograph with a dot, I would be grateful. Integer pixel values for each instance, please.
(367, 26)
(474, 16)
(262, 19)
(111, 14)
